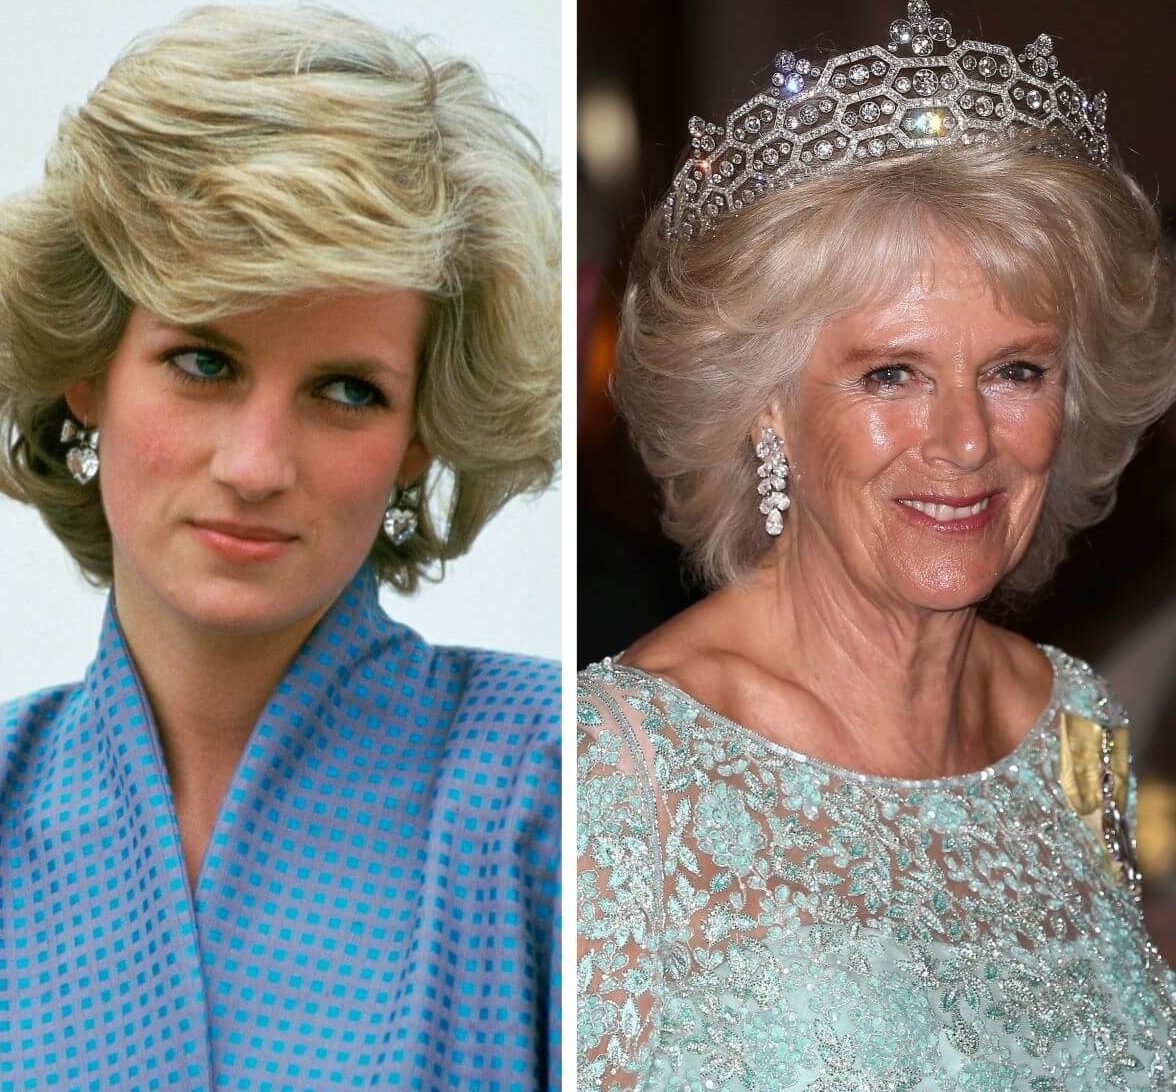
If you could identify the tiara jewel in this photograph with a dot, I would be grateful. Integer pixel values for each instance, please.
(921, 90)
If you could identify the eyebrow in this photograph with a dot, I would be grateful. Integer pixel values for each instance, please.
(201, 332)
(1045, 345)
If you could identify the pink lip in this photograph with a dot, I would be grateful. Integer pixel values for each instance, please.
(954, 526)
(954, 502)
(243, 541)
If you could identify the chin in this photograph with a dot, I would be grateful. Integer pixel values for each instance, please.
(947, 587)
(244, 612)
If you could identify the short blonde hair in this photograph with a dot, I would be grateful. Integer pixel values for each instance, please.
(717, 329)
(245, 154)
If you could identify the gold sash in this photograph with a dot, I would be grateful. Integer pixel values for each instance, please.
(1083, 768)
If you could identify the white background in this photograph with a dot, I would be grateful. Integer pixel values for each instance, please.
(505, 594)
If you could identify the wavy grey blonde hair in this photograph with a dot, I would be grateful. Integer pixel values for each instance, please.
(716, 330)
(245, 154)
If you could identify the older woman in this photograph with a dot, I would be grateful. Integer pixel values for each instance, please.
(279, 324)
(888, 344)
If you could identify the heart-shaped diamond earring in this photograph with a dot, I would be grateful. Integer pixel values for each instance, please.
(400, 517)
(82, 457)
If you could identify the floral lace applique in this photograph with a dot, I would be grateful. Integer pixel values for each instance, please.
(754, 919)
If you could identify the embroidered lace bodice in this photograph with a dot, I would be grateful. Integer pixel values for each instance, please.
(752, 918)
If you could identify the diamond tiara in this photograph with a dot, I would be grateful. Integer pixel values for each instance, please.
(921, 90)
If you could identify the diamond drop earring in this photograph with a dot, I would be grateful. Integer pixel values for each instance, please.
(773, 480)
(82, 457)
(400, 517)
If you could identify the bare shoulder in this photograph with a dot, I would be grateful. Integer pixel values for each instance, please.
(704, 652)
(1020, 676)
(689, 651)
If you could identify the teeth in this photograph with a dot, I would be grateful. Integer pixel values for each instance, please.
(944, 513)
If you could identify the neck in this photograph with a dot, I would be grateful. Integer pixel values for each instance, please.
(206, 690)
(905, 687)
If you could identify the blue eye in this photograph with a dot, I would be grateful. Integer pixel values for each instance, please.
(200, 364)
(888, 377)
(352, 393)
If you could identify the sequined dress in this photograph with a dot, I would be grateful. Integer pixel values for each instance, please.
(755, 919)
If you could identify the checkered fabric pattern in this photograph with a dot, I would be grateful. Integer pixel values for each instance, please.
(378, 906)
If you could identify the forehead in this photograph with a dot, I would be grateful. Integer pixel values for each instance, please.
(863, 260)
(388, 314)
(385, 320)
(949, 305)
(947, 291)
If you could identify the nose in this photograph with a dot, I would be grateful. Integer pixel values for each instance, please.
(958, 428)
(255, 448)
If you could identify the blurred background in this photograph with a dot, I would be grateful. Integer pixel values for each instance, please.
(643, 70)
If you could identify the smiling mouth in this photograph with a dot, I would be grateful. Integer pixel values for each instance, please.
(946, 513)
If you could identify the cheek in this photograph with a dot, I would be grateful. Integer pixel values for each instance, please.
(1031, 433)
(886, 431)
(142, 478)
(161, 446)
(360, 476)
(144, 449)
(854, 445)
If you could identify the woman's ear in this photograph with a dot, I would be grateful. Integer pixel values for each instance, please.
(84, 400)
(415, 461)
(772, 417)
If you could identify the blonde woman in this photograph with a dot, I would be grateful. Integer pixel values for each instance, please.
(887, 345)
(280, 324)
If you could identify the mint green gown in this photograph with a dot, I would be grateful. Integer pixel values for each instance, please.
(752, 918)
